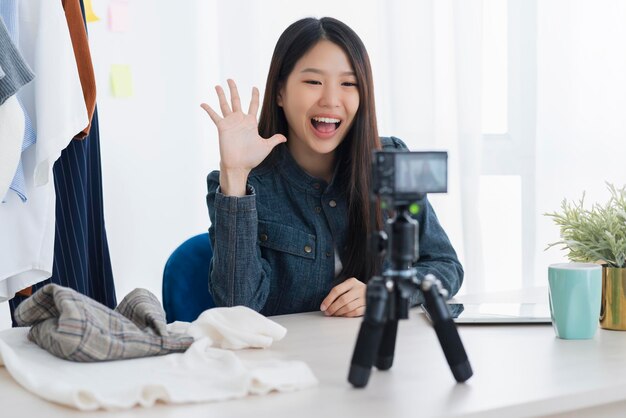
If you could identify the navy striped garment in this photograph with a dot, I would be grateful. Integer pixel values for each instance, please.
(81, 251)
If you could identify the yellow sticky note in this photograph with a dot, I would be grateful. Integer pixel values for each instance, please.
(89, 13)
(121, 80)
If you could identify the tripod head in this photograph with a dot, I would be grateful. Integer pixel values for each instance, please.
(401, 180)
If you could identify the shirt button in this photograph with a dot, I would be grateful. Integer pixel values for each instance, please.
(332, 203)
(307, 249)
(263, 237)
(318, 209)
(328, 254)
(316, 186)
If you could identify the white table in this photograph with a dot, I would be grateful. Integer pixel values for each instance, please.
(519, 371)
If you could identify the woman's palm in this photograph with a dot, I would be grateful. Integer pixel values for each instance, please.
(241, 146)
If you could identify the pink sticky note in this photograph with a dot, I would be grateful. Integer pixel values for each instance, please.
(119, 16)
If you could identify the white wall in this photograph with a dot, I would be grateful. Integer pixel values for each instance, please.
(155, 154)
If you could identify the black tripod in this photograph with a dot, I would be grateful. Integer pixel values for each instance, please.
(388, 301)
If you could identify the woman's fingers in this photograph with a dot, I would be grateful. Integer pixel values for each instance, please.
(235, 100)
(212, 113)
(335, 293)
(354, 308)
(234, 95)
(360, 311)
(254, 102)
(223, 102)
(346, 297)
(240, 145)
(345, 303)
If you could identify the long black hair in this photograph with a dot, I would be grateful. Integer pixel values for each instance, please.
(354, 154)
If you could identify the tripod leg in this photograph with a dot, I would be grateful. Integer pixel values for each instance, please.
(387, 346)
(446, 330)
(370, 333)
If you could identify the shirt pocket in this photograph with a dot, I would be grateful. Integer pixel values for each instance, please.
(286, 239)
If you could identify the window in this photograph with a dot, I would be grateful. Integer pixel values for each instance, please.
(500, 204)
(507, 197)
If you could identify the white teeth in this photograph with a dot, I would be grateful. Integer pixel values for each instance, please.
(326, 120)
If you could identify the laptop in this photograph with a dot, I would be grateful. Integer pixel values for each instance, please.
(500, 313)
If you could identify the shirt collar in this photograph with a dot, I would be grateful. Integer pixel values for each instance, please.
(296, 175)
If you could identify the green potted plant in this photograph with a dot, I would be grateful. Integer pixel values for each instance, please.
(598, 235)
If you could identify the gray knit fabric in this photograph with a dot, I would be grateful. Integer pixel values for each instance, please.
(16, 71)
(74, 327)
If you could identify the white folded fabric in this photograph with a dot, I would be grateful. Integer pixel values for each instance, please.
(203, 373)
(232, 328)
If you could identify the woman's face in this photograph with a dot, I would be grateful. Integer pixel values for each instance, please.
(320, 99)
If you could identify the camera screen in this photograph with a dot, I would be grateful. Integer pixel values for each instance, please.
(421, 172)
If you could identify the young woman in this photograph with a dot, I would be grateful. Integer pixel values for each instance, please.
(289, 208)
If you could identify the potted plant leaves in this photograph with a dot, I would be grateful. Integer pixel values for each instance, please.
(598, 235)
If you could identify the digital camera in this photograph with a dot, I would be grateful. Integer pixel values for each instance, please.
(408, 176)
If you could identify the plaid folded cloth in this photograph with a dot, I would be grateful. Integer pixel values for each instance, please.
(74, 327)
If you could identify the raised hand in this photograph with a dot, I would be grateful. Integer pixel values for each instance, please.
(241, 146)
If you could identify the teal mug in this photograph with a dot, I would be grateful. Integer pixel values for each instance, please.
(575, 294)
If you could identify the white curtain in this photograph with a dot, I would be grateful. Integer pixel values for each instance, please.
(581, 108)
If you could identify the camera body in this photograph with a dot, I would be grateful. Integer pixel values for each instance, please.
(403, 177)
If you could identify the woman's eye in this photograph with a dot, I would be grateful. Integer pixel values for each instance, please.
(314, 82)
(349, 84)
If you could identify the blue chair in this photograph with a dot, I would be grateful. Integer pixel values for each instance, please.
(186, 280)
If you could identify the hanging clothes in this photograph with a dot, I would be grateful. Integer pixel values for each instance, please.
(15, 75)
(11, 134)
(15, 72)
(8, 13)
(55, 102)
(81, 253)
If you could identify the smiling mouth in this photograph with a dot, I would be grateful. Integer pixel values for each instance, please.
(325, 125)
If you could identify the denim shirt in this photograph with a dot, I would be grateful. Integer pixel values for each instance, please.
(274, 249)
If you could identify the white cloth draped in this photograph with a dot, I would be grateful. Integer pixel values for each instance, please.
(203, 373)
